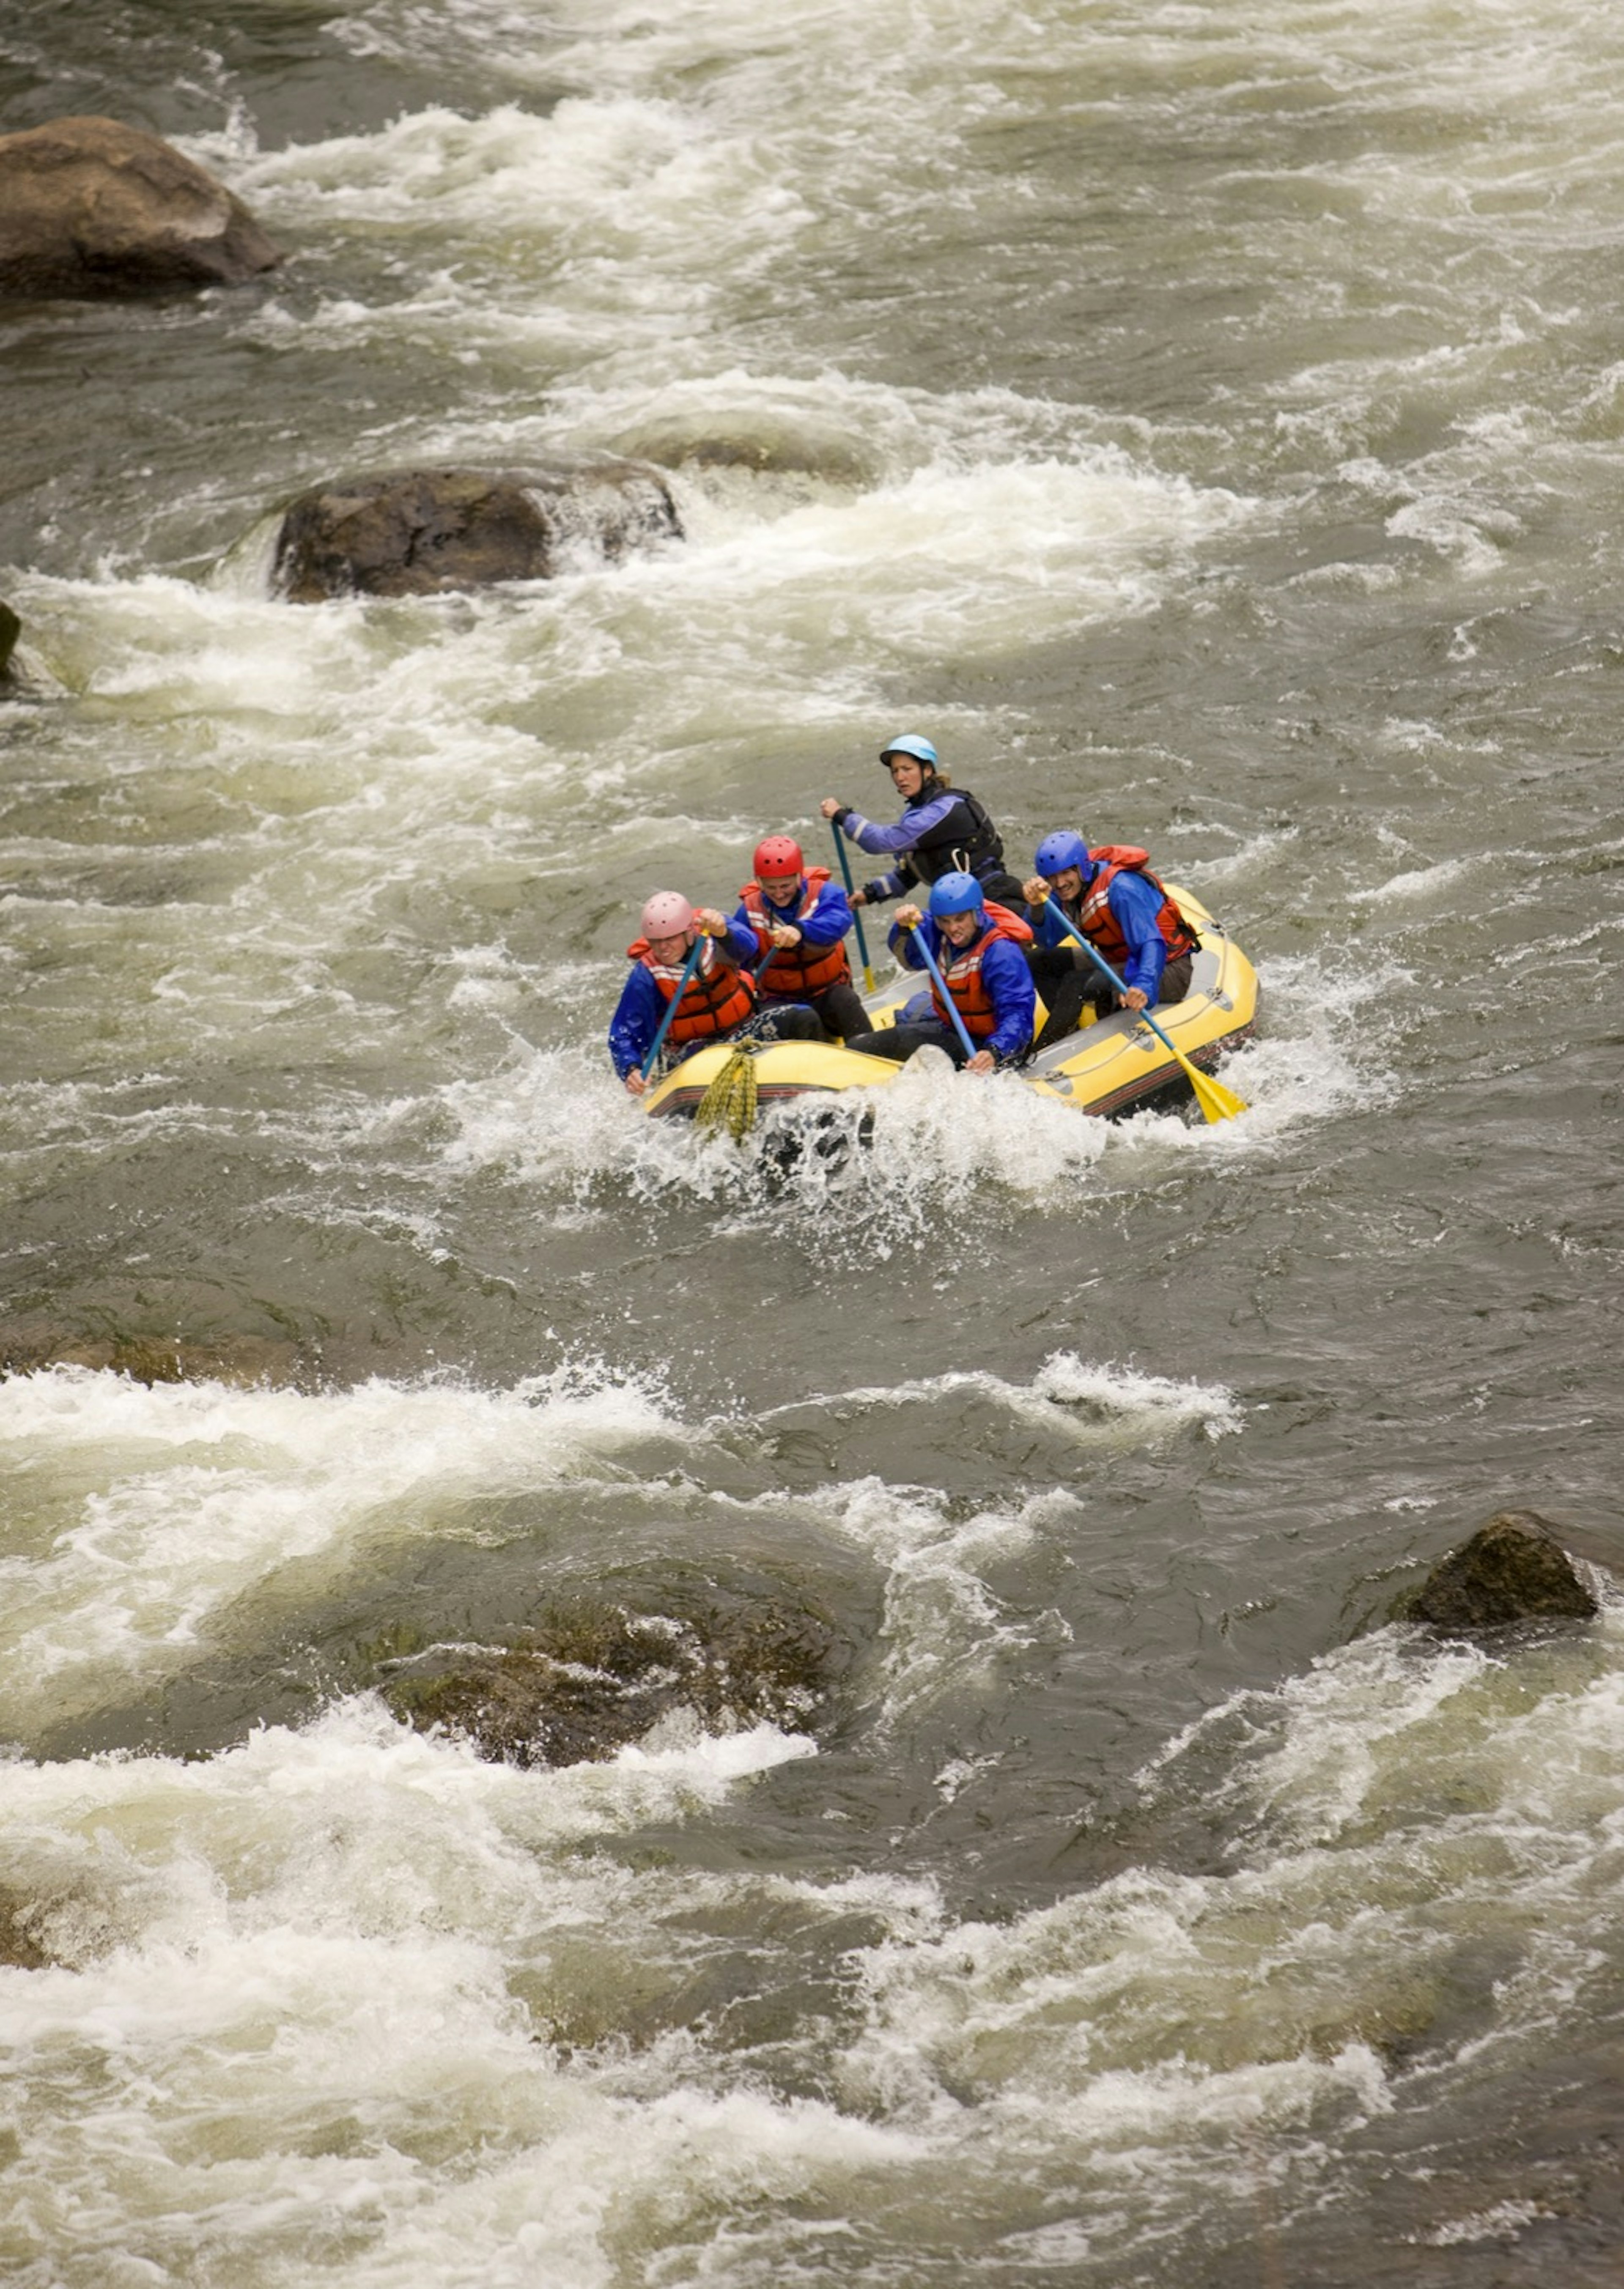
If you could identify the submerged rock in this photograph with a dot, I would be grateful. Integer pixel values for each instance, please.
(592, 1680)
(828, 459)
(90, 208)
(245, 1361)
(11, 628)
(20, 1946)
(417, 532)
(1513, 1569)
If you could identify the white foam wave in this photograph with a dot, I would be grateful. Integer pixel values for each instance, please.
(558, 1119)
(152, 1510)
(320, 1936)
(1088, 1403)
(1418, 884)
(945, 1632)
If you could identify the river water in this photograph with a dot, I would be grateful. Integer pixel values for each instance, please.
(1203, 424)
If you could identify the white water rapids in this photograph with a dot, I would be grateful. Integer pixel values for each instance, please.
(1206, 427)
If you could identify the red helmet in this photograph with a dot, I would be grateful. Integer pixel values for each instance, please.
(779, 859)
(667, 914)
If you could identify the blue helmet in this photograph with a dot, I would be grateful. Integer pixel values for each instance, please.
(910, 744)
(1056, 852)
(955, 894)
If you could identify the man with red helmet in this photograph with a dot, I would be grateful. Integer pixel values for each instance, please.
(800, 917)
(716, 999)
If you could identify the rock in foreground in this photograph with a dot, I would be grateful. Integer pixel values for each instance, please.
(11, 628)
(1513, 1569)
(89, 209)
(592, 1681)
(419, 532)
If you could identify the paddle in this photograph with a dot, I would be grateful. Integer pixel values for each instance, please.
(1216, 1102)
(947, 1000)
(846, 868)
(694, 954)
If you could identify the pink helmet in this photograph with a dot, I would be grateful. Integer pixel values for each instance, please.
(667, 915)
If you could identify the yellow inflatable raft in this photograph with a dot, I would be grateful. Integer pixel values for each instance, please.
(1112, 1067)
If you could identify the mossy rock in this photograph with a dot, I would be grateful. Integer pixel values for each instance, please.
(423, 532)
(244, 1361)
(20, 1946)
(590, 1679)
(1513, 1569)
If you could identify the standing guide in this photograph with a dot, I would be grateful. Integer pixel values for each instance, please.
(942, 830)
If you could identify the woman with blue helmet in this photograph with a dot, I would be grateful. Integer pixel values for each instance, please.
(980, 949)
(1121, 907)
(942, 830)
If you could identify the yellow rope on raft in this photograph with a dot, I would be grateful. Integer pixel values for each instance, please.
(730, 1101)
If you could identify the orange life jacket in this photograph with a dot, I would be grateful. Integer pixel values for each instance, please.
(961, 972)
(716, 997)
(796, 970)
(1101, 926)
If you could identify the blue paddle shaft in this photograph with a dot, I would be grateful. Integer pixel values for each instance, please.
(1102, 965)
(695, 952)
(948, 1003)
(846, 868)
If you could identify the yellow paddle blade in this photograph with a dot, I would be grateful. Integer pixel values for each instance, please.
(729, 1102)
(1216, 1102)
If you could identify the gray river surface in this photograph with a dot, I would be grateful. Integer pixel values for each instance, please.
(1205, 425)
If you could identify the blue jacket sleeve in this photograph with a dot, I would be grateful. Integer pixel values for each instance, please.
(741, 944)
(829, 920)
(1013, 996)
(635, 1021)
(1136, 904)
(869, 835)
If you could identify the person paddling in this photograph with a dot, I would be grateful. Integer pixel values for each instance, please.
(714, 994)
(942, 830)
(799, 917)
(978, 950)
(1121, 908)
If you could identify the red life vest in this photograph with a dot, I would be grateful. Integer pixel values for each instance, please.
(1101, 926)
(715, 998)
(961, 972)
(796, 970)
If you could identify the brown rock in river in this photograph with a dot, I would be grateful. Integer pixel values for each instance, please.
(589, 1682)
(1513, 1569)
(247, 1362)
(11, 628)
(418, 532)
(90, 208)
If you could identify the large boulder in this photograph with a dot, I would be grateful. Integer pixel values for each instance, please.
(90, 208)
(1513, 1569)
(418, 532)
(11, 628)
